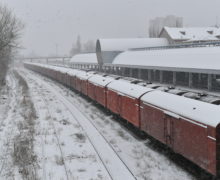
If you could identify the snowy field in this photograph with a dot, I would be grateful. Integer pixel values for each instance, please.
(50, 132)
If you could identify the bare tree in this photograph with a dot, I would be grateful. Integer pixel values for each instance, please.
(89, 46)
(10, 31)
(77, 48)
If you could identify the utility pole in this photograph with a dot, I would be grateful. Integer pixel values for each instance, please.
(56, 49)
(216, 24)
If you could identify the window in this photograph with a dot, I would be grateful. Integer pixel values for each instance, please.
(183, 32)
(210, 32)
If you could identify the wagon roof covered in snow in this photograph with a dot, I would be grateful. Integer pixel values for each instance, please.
(60, 69)
(88, 58)
(125, 44)
(202, 59)
(73, 72)
(57, 68)
(127, 88)
(101, 80)
(84, 75)
(189, 108)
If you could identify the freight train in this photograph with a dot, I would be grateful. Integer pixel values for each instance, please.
(189, 127)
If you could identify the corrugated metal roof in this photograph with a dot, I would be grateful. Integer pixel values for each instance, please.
(125, 44)
(89, 58)
(205, 58)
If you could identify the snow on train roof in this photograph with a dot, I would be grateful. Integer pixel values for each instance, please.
(90, 58)
(127, 88)
(125, 44)
(65, 70)
(84, 75)
(73, 72)
(101, 80)
(58, 68)
(205, 58)
(189, 108)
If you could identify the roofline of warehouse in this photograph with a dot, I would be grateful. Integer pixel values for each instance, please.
(174, 69)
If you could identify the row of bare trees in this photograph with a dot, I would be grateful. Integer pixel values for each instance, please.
(79, 47)
(10, 31)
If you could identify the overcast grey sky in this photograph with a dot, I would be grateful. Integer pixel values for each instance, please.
(51, 22)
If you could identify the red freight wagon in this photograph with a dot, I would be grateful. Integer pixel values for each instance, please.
(91, 90)
(53, 74)
(71, 74)
(124, 99)
(77, 84)
(188, 126)
(63, 73)
(43, 70)
(69, 77)
(62, 77)
(58, 75)
(47, 71)
(81, 81)
(97, 88)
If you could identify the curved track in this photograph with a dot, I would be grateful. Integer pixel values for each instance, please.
(113, 163)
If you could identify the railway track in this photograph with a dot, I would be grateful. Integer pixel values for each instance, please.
(46, 105)
(93, 124)
(111, 160)
(43, 139)
(57, 138)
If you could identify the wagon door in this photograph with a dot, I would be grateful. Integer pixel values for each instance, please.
(168, 132)
(119, 104)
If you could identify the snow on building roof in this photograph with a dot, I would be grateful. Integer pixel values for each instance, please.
(108, 49)
(182, 59)
(127, 88)
(193, 33)
(125, 44)
(88, 58)
(202, 112)
(101, 80)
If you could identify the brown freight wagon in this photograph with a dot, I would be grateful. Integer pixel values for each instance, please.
(58, 76)
(63, 77)
(62, 73)
(123, 98)
(53, 74)
(82, 80)
(91, 90)
(188, 126)
(97, 88)
(71, 78)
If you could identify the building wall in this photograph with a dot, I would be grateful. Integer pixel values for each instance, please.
(164, 34)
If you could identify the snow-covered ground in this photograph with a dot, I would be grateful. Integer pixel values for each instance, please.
(50, 132)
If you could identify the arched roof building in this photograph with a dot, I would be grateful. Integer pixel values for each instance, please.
(108, 49)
